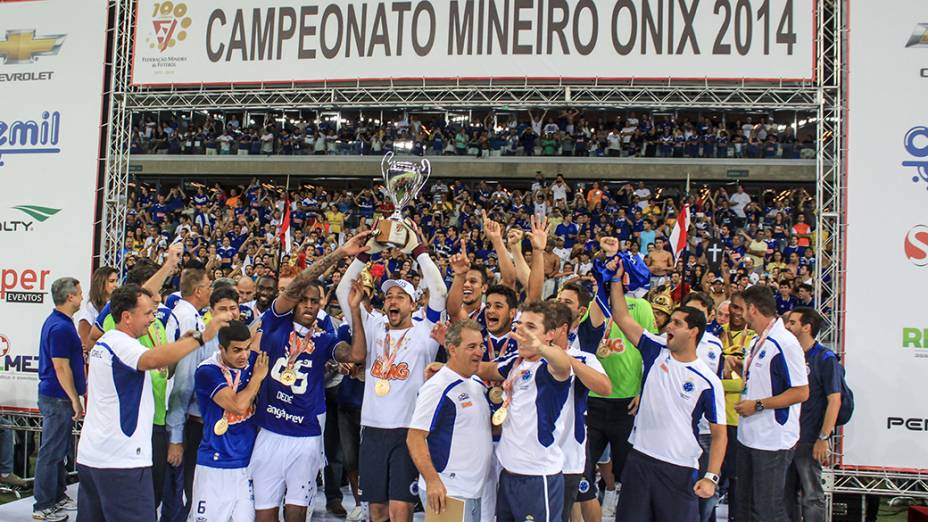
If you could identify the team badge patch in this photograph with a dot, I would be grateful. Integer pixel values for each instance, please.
(584, 486)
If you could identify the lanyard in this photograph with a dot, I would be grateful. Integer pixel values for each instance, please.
(298, 345)
(514, 374)
(757, 345)
(388, 357)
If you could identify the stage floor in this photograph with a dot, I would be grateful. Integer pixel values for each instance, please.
(21, 510)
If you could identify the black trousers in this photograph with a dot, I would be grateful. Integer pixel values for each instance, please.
(193, 435)
(159, 460)
(334, 471)
(608, 422)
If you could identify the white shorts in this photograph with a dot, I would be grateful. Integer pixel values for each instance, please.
(282, 464)
(222, 495)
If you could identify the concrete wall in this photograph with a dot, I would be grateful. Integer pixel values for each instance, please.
(491, 168)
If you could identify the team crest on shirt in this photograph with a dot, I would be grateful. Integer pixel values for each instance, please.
(712, 355)
(526, 375)
(688, 388)
(762, 354)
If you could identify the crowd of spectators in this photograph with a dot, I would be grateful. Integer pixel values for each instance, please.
(535, 133)
(767, 237)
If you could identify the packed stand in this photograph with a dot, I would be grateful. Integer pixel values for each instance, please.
(535, 133)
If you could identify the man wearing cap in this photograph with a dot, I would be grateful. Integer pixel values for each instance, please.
(662, 304)
(395, 351)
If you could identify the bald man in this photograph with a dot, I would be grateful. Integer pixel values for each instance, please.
(246, 299)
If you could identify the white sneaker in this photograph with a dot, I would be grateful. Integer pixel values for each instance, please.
(49, 515)
(66, 504)
(610, 497)
(356, 514)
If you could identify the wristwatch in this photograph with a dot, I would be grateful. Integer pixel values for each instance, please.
(822, 436)
(712, 476)
(758, 405)
(198, 337)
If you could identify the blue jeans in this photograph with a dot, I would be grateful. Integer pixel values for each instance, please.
(6, 447)
(805, 496)
(761, 482)
(50, 472)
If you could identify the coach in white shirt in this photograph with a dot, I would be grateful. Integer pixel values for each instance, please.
(114, 454)
(776, 384)
(449, 437)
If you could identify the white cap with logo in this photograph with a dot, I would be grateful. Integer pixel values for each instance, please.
(404, 285)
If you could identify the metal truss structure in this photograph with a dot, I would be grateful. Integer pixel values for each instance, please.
(826, 97)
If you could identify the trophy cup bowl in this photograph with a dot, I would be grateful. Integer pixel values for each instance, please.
(402, 182)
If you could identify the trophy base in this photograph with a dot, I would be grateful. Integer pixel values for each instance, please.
(392, 232)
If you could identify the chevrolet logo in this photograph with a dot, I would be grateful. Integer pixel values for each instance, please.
(22, 46)
(919, 36)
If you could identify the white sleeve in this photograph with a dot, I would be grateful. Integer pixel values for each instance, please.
(129, 351)
(344, 288)
(427, 405)
(438, 292)
(796, 365)
(593, 362)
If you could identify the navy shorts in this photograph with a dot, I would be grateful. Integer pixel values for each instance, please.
(529, 497)
(656, 490)
(385, 467)
(586, 489)
(115, 494)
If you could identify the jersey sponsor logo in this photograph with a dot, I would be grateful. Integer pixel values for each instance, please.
(916, 245)
(616, 345)
(281, 414)
(396, 372)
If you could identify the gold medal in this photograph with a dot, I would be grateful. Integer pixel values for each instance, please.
(221, 427)
(288, 377)
(500, 416)
(382, 388)
(496, 395)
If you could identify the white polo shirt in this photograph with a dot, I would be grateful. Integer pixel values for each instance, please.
(183, 318)
(120, 406)
(674, 396)
(776, 366)
(573, 438)
(528, 445)
(455, 412)
(709, 351)
(407, 373)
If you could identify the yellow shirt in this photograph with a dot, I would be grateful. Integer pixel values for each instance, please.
(336, 220)
(734, 343)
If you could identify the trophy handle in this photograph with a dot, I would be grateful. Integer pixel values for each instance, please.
(385, 165)
(426, 171)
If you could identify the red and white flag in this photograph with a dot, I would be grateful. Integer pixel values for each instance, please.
(678, 234)
(286, 242)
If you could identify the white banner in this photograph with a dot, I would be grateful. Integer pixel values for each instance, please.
(51, 78)
(886, 334)
(277, 41)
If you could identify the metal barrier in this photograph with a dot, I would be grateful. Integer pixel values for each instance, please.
(26, 430)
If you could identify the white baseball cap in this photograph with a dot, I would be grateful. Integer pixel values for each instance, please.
(404, 285)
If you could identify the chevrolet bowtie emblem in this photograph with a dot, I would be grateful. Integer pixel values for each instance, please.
(22, 46)
(919, 36)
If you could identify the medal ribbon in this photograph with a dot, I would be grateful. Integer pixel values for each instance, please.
(388, 357)
(757, 345)
(491, 347)
(227, 373)
(514, 374)
(304, 344)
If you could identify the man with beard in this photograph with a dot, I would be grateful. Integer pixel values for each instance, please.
(265, 293)
(658, 479)
(465, 297)
(288, 452)
(395, 350)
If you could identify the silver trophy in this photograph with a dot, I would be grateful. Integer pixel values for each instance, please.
(402, 182)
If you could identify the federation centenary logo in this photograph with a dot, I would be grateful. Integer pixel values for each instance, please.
(170, 23)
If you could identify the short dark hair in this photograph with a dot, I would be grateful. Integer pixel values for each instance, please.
(559, 313)
(583, 295)
(694, 319)
(699, 297)
(125, 299)
(234, 331)
(142, 272)
(474, 267)
(508, 294)
(225, 292)
(805, 286)
(809, 317)
(762, 298)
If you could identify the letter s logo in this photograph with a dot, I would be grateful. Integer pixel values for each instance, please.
(916, 245)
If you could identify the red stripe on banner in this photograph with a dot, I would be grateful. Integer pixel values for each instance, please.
(285, 225)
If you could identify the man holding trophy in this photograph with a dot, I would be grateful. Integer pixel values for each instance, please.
(394, 349)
